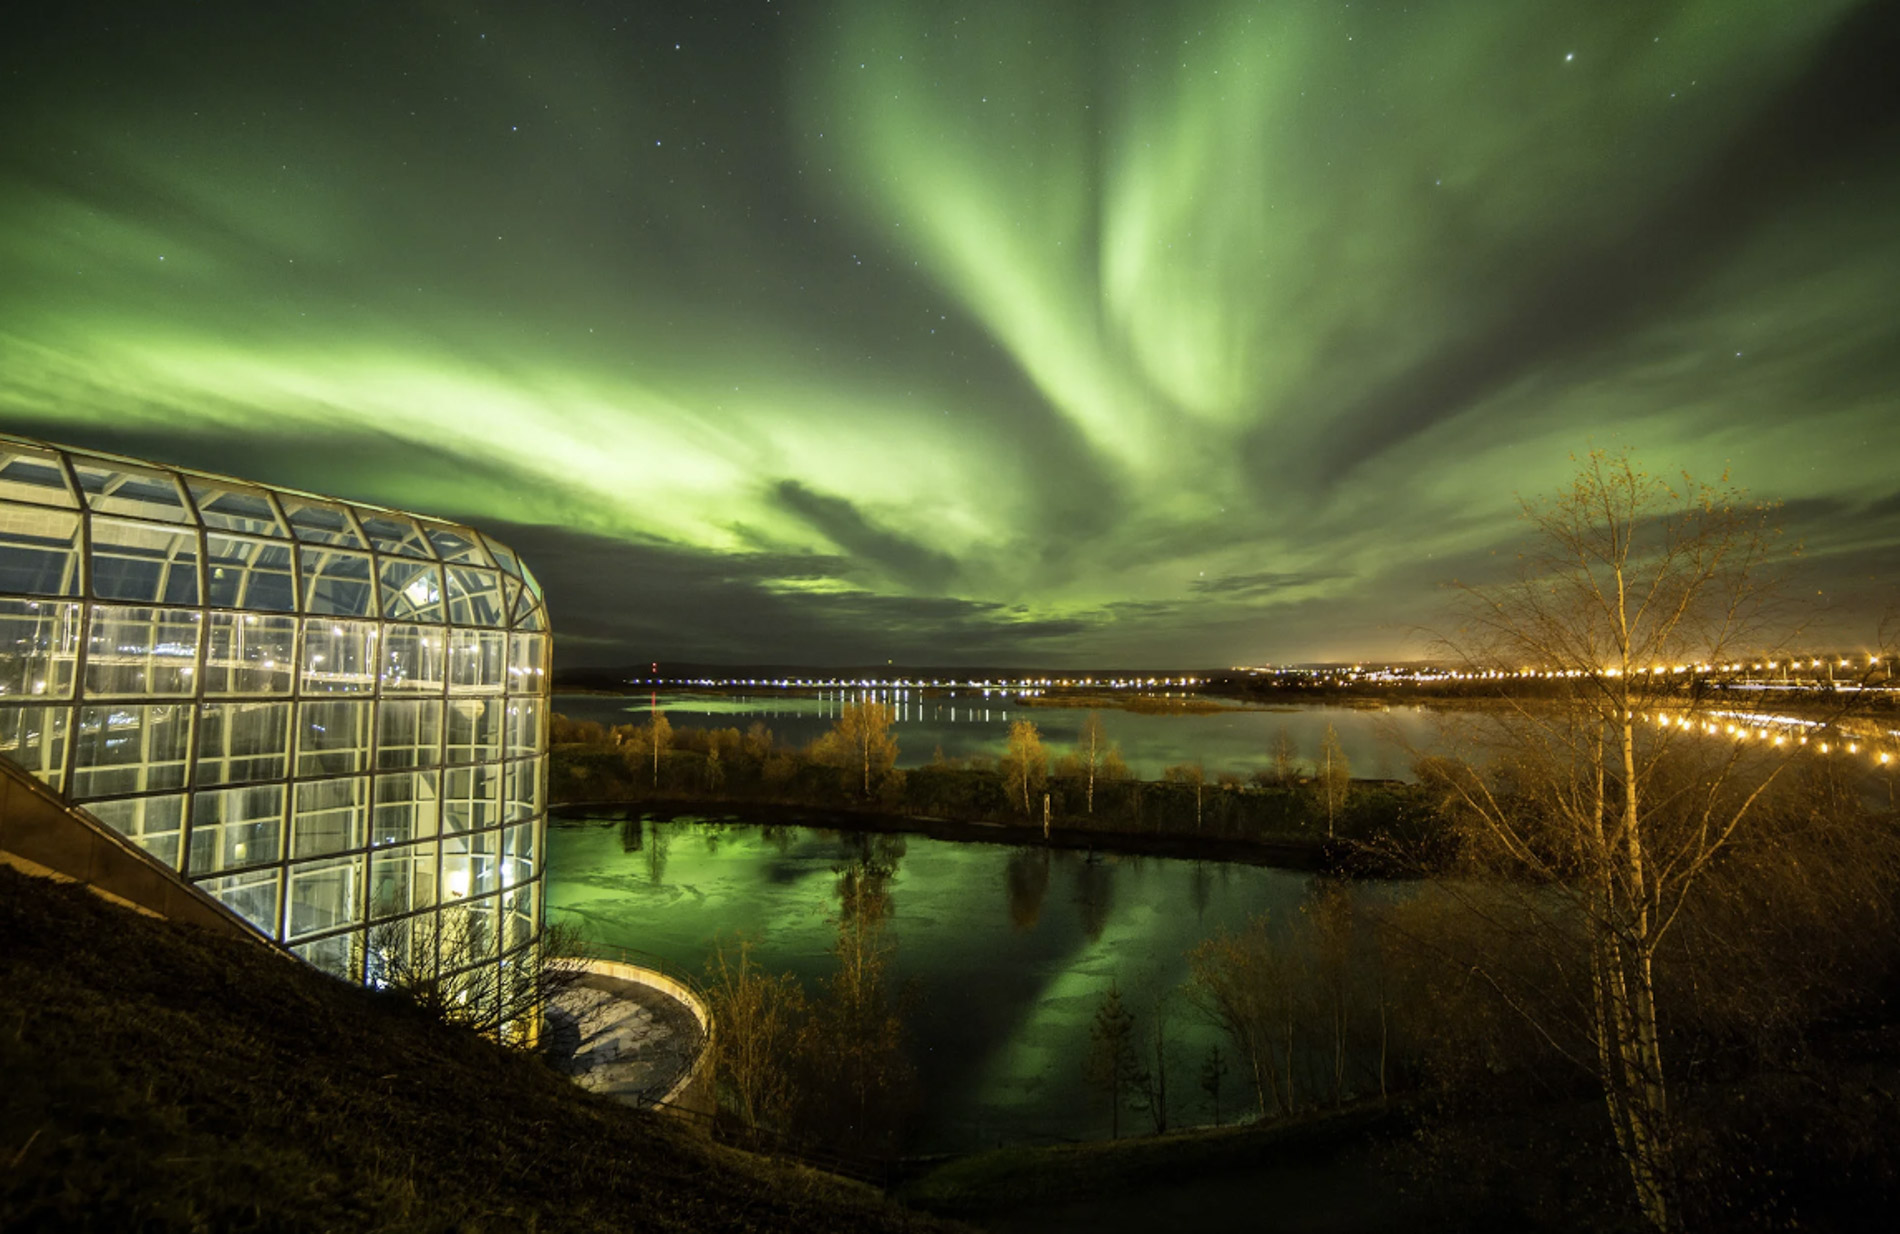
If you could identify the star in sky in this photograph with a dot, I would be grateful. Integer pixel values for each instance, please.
(1235, 353)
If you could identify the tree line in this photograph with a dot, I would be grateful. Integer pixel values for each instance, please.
(1680, 951)
(1693, 937)
(1474, 996)
(1087, 787)
(821, 1071)
(1654, 976)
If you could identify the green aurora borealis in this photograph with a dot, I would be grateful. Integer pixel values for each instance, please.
(1143, 332)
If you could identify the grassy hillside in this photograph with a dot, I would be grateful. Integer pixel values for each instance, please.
(157, 1078)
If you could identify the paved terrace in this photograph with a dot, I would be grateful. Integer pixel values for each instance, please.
(629, 1033)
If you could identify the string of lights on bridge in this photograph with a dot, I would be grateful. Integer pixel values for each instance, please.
(1801, 672)
(1008, 685)
(1767, 728)
(1814, 675)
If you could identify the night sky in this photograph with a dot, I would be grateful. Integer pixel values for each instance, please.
(1035, 333)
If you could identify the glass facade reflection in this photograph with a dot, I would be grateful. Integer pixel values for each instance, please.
(330, 716)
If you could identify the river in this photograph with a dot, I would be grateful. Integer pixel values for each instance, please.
(1377, 740)
(1008, 948)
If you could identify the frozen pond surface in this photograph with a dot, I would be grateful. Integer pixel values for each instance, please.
(1010, 947)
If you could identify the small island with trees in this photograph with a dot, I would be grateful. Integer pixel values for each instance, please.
(1081, 797)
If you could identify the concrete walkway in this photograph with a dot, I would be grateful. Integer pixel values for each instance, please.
(625, 1039)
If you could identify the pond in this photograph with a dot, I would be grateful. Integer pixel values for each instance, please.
(1009, 948)
(968, 722)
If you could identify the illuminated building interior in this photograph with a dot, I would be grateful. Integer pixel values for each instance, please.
(332, 717)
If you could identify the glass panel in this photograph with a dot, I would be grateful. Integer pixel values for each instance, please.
(337, 584)
(249, 654)
(237, 827)
(136, 492)
(517, 854)
(319, 522)
(33, 475)
(401, 880)
(471, 798)
(503, 555)
(339, 657)
(475, 597)
(253, 896)
(238, 742)
(408, 807)
(408, 732)
(395, 533)
(534, 585)
(249, 574)
(527, 662)
(527, 789)
(471, 867)
(473, 986)
(39, 647)
(412, 590)
(461, 855)
(455, 545)
(476, 660)
(474, 730)
(336, 955)
(230, 507)
(325, 895)
(39, 551)
(402, 949)
(518, 904)
(484, 916)
(530, 616)
(332, 738)
(144, 561)
(524, 726)
(127, 748)
(142, 650)
(515, 987)
(152, 823)
(34, 738)
(416, 658)
(332, 815)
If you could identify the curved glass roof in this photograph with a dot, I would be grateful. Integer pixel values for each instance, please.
(345, 546)
(332, 716)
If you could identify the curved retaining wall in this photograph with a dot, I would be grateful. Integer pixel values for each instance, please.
(692, 1093)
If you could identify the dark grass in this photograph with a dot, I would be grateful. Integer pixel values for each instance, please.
(154, 1077)
(1009, 1179)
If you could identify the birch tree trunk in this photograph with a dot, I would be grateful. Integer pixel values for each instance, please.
(1636, 582)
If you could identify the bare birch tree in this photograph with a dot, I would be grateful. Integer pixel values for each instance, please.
(1610, 796)
(1335, 776)
(1091, 751)
(862, 740)
(1025, 762)
(1285, 755)
(760, 1017)
(659, 736)
(1247, 985)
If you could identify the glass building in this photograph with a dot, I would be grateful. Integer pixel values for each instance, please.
(330, 716)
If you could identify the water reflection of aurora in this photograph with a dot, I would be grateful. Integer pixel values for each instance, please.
(1009, 948)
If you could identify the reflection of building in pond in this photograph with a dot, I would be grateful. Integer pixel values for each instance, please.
(329, 716)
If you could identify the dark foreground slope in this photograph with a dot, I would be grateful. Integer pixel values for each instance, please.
(153, 1077)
